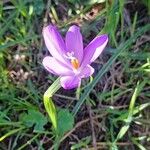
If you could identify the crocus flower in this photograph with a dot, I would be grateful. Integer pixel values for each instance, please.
(69, 59)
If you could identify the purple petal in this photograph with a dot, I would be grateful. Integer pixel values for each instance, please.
(87, 71)
(54, 42)
(70, 82)
(74, 42)
(94, 49)
(56, 67)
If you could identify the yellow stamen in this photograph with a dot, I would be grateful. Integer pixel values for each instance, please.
(75, 63)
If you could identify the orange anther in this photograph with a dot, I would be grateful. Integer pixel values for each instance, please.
(75, 63)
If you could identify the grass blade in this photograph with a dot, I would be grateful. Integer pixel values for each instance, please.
(125, 128)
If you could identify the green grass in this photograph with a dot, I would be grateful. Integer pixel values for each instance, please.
(110, 112)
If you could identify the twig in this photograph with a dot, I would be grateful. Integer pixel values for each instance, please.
(92, 126)
(101, 145)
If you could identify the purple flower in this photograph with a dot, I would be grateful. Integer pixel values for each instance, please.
(69, 59)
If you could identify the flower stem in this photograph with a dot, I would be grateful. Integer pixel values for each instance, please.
(48, 103)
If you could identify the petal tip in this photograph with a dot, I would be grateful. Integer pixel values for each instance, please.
(74, 28)
(104, 37)
(48, 28)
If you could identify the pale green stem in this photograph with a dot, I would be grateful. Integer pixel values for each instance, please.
(48, 103)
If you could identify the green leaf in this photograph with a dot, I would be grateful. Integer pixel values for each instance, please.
(140, 146)
(136, 93)
(34, 117)
(65, 121)
(122, 131)
(10, 133)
